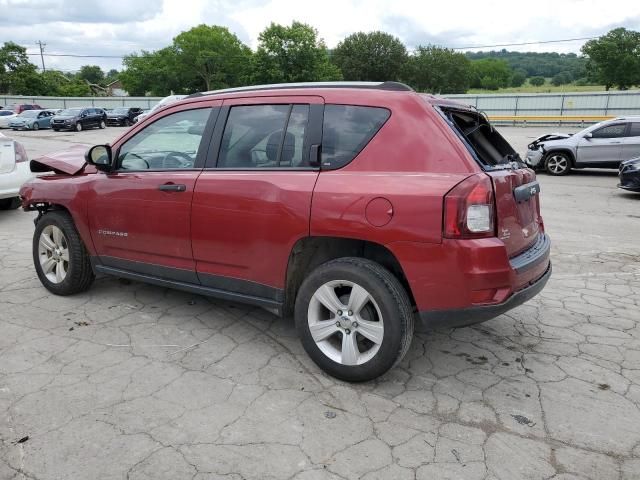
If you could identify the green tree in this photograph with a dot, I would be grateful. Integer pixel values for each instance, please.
(561, 78)
(91, 73)
(217, 57)
(292, 54)
(537, 81)
(18, 76)
(153, 73)
(518, 78)
(374, 56)
(614, 58)
(438, 70)
(490, 73)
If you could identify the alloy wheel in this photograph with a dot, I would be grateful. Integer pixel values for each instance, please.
(345, 322)
(557, 164)
(53, 253)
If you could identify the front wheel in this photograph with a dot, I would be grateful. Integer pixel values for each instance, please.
(354, 319)
(36, 126)
(102, 124)
(557, 163)
(78, 127)
(59, 256)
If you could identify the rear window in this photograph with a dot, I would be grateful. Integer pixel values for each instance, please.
(481, 138)
(346, 130)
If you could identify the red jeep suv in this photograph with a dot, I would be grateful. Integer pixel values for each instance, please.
(356, 207)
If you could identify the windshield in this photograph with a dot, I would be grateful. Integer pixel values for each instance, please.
(29, 113)
(71, 112)
(120, 111)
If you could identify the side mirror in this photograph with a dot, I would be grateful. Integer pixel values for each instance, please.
(588, 135)
(99, 156)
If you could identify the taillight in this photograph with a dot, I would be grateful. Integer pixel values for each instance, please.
(21, 153)
(469, 209)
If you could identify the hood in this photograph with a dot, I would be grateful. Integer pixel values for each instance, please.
(550, 137)
(631, 161)
(116, 115)
(63, 117)
(68, 162)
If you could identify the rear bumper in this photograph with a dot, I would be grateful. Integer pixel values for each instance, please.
(481, 313)
(461, 282)
(10, 182)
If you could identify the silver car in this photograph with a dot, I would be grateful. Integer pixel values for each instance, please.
(603, 145)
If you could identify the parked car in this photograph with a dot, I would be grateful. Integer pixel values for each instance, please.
(14, 171)
(79, 119)
(603, 145)
(123, 116)
(21, 107)
(162, 103)
(141, 115)
(325, 201)
(629, 174)
(31, 120)
(5, 117)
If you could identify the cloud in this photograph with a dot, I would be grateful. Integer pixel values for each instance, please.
(37, 12)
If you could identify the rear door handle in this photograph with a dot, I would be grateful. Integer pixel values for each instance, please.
(173, 187)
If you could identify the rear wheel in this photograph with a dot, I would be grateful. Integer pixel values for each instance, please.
(59, 256)
(354, 319)
(9, 203)
(557, 163)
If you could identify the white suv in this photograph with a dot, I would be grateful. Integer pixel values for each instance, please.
(14, 171)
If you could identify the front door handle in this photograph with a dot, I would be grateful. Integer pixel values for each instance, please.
(173, 187)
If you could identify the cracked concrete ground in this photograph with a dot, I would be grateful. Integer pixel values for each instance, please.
(139, 382)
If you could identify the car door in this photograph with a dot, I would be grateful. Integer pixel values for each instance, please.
(252, 202)
(631, 142)
(141, 211)
(604, 146)
(44, 120)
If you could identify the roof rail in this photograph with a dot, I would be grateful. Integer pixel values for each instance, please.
(390, 86)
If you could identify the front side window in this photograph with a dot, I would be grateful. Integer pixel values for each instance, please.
(611, 131)
(170, 143)
(347, 129)
(264, 136)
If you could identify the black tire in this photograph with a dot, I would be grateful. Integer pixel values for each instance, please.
(102, 124)
(127, 123)
(35, 126)
(79, 275)
(392, 301)
(56, 129)
(79, 127)
(557, 164)
(9, 203)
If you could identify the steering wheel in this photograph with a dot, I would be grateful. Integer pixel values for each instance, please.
(183, 160)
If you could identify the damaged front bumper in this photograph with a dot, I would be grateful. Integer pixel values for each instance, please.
(533, 158)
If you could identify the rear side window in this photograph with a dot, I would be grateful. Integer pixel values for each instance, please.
(346, 130)
(634, 131)
(611, 131)
(265, 136)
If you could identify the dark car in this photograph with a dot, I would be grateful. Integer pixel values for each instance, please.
(629, 174)
(319, 200)
(79, 119)
(123, 116)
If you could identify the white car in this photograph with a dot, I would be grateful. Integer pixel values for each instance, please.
(160, 104)
(5, 117)
(14, 171)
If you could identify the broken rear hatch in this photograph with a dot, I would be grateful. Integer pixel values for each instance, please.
(518, 220)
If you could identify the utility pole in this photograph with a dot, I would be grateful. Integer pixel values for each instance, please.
(42, 45)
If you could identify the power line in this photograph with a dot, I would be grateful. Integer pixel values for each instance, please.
(469, 47)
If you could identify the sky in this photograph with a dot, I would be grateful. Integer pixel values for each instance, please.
(121, 27)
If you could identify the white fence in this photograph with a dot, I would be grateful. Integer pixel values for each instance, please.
(68, 102)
